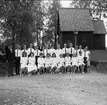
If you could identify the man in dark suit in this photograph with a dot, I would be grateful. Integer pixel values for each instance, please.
(10, 59)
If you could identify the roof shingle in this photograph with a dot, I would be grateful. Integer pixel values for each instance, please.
(75, 20)
(99, 27)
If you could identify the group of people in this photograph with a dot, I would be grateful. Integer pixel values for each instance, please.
(49, 60)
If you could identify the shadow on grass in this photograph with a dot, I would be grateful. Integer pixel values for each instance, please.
(3, 69)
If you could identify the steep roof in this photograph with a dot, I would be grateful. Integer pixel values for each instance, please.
(99, 27)
(72, 19)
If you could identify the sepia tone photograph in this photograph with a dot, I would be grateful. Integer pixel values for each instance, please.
(53, 52)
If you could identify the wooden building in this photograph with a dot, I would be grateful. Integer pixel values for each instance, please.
(77, 26)
(99, 35)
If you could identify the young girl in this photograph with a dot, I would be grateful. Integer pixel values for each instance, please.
(41, 62)
(31, 64)
(74, 62)
(61, 64)
(68, 62)
(81, 61)
(54, 63)
(48, 63)
(24, 61)
(87, 59)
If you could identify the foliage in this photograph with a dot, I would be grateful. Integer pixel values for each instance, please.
(52, 16)
(97, 7)
(20, 17)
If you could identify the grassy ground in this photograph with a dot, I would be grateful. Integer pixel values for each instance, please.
(58, 89)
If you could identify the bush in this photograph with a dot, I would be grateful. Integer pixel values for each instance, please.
(101, 66)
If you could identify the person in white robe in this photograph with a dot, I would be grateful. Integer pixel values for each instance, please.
(61, 64)
(75, 65)
(48, 63)
(68, 63)
(52, 50)
(41, 62)
(65, 50)
(46, 50)
(24, 61)
(81, 50)
(58, 51)
(17, 59)
(87, 58)
(71, 50)
(54, 64)
(30, 49)
(81, 62)
(31, 64)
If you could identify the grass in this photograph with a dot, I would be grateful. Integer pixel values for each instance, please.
(99, 55)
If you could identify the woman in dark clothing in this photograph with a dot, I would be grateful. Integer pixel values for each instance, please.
(9, 59)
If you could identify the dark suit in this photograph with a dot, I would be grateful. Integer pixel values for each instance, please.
(10, 59)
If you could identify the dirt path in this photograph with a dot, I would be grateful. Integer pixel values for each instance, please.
(67, 89)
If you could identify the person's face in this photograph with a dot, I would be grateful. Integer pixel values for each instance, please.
(58, 46)
(52, 47)
(80, 47)
(31, 45)
(76, 47)
(10, 47)
(36, 47)
(25, 47)
(71, 45)
(86, 47)
(65, 45)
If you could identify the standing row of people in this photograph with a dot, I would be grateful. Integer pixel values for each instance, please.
(33, 59)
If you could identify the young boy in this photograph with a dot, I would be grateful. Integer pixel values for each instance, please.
(61, 64)
(31, 64)
(74, 62)
(41, 62)
(48, 63)
(68, 62)
(54, 63)
(24, 61)
(81, 61)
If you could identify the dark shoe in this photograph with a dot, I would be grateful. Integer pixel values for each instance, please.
(12, 74)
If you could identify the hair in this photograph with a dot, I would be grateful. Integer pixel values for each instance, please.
(53, 55)
(48, 55)
(31, 54)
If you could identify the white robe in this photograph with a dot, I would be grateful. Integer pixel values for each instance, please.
(31, 64)
(24, 61)
(29, 50)
(54, 62)
(48, 62)
(80, 60)
(58, 52)
(41, 62)
(88, 57)
(73, 50)
(74, 61)
(61, 62)
(67, 61)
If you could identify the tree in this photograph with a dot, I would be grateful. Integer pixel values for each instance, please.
(52, 16)
(14, 13)
(97, 7)
(38, 18)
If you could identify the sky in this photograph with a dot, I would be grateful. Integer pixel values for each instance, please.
(65, 3)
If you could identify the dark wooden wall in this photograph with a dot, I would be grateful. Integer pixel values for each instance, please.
(99, 41)
(83, 38)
